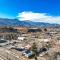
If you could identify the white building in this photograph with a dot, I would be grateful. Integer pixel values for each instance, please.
(21, 38)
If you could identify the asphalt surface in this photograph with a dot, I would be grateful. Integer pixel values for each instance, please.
(6, 54)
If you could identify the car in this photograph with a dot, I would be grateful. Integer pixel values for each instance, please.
(20, 49)
(27, 53)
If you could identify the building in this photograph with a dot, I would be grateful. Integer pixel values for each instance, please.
(21, 38)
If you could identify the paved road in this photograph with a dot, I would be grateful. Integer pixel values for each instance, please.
(20, 55)
(8, 55)
(2, 57)
(11, 55)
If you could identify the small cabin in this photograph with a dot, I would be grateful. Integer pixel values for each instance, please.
(21, 38)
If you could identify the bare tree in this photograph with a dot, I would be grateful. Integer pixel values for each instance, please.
(34, 49)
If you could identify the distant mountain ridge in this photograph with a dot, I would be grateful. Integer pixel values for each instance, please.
(16, 22)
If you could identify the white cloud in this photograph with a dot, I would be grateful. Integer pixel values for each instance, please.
(38, 17)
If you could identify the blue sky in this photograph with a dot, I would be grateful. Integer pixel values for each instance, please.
(44, 9)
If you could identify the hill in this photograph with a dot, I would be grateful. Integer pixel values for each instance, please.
(16, 22)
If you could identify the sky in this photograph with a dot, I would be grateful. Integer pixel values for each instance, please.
(33, 10)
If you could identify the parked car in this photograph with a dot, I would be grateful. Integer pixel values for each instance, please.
(27, 53)
(40, 50)
(20, 49)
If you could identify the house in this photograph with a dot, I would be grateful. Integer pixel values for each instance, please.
(21, 38)
(44, 40)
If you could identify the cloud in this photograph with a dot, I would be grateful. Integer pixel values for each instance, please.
(38, 17)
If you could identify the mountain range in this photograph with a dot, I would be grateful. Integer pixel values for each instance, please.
(16, 22)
